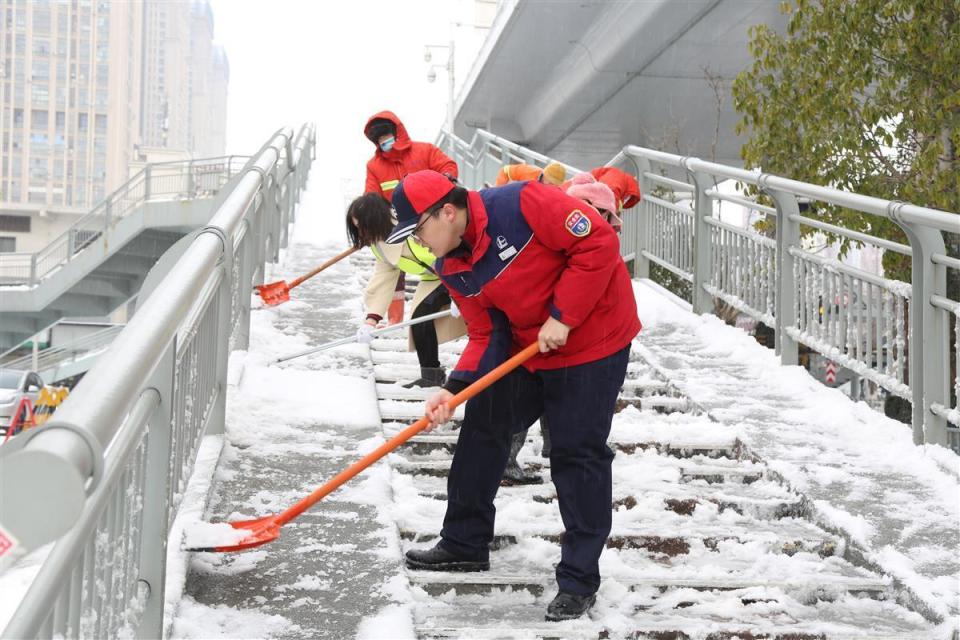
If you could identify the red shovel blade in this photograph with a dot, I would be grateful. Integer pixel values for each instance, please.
(262, 531)
(274, 293)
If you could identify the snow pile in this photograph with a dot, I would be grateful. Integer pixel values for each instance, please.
(210, 535)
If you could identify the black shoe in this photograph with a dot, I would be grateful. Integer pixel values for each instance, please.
(439, 559)
(514, 476)
(429, 377)
(567, 606)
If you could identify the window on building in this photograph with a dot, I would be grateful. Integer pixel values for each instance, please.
(61, 120)
(14, 224)
(38, 170)
(40, 93)
(101, 123)
(8, 244)
(82, 120)
(18, 117)
(39, 119)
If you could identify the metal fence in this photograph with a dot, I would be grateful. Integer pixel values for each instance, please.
(181, 180)
(105, 476)
(862, 321)
(54, 357)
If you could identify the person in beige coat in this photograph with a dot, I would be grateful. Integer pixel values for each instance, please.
(369, 221)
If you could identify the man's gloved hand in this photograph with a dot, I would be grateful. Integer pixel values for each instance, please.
(365, 333)
(454, 309)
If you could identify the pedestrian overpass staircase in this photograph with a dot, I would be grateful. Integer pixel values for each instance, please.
(101, 261)
(67, 360)
(711, 537)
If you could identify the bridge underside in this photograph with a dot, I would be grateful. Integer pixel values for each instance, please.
(578, 80)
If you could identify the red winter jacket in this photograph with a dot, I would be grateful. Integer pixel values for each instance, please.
(531, 251)
(385, 170)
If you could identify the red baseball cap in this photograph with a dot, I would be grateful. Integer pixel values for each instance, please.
(416, 194)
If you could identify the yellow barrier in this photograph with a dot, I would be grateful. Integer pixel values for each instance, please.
(49, 399)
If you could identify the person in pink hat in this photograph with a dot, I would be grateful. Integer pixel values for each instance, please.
(598, 195)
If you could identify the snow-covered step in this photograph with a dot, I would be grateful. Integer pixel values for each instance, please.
(659, 403)
(819, 586)
(404, 373)
(679, 448)
(677, 536)
(403, 411)
(447, 360)
(438, 464)
(762, 499)
(398, 342)
(393, 391)
(725, 616)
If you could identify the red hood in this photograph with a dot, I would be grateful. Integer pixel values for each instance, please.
(403, 140)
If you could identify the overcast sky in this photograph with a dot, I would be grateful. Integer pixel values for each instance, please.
(336, 64)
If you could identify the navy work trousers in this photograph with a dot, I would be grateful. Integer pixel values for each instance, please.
(578, 402)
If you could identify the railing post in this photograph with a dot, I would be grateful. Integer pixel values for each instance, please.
(218, 413)
(788, 236)
(156, 491)
(641, 264)
(928, 345)
(191, 180)
(147, 174)
(702, 211)
(33, 265)
(107, 214)
(247, 255)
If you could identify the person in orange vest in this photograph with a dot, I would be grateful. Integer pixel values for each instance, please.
(553, 173)
(395, 156)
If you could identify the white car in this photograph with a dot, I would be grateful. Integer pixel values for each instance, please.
(14, 385)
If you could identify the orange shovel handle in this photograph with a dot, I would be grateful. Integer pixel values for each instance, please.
(334, 483)
(332, 261)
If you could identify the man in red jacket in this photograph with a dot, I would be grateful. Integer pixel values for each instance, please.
(396, 155)
(526, 262)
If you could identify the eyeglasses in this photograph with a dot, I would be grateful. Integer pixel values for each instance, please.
(423, 220)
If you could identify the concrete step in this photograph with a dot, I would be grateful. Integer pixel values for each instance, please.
(742, 618)
(437, 463)
(673, 536)
(824, 586)
(762, 499)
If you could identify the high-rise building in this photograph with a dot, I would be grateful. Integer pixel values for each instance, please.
(69, 118)
(89, 88)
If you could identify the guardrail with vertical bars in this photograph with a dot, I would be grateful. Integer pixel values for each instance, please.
(861, 320)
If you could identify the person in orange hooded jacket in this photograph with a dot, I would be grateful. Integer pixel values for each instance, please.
(397, 155)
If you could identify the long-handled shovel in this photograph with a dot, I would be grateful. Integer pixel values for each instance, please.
(378, 332)
(267, 529)
(274, 293)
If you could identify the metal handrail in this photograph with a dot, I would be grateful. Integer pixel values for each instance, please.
(109, 470)
(864, 321)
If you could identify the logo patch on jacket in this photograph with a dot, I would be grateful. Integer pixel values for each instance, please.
(577, 223)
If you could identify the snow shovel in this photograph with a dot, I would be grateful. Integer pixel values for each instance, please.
(267, 529)
(275, 293)
(378, 332)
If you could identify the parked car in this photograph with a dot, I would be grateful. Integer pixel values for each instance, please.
(14, 386)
